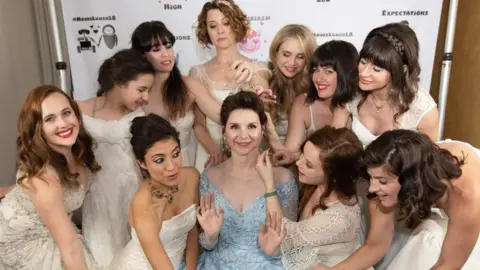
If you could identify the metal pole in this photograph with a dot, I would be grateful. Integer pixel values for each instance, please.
(60, 64)
(446, 66)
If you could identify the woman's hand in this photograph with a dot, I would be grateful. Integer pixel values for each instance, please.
(266, 95)
(283, 157)
(208, 218)
(265, 169)
(243, 70)
(216, 156)
(271, 235)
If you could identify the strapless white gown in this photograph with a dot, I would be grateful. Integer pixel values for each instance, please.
(173, 235)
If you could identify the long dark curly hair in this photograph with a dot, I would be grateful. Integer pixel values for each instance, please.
(421, 166)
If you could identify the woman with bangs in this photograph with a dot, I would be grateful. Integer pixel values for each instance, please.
(173, 95)
(222, 24)
(332, 71)
(389, 99)
(389, 96)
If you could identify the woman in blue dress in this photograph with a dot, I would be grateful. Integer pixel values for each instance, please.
(232, 204)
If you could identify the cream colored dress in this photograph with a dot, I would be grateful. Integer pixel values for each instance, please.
(25, 242)
(327, 238)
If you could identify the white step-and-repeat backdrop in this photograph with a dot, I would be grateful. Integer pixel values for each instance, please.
(95, 29)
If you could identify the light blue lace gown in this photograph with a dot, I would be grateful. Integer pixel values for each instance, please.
(237, 246)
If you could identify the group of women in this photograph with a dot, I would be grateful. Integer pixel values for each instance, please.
(242, 164)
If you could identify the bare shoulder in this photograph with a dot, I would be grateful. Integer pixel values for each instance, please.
(141, 198)
(300, 101)
(192, 175)
(86, 106)
(282, 175)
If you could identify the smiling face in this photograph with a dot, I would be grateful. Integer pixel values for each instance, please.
(135, 92)
(163, 161)
(291, 58)
(162, 56)
(243, 132)
(60, 124)
(325, 81)
(385, 185)
(219, 30)
(372, 77)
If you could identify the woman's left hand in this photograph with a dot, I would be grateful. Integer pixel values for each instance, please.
(244, 71)
(266, 95)
(265, 169)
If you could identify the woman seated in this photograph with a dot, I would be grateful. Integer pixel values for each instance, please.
(233, 203)
(410, 175)
(327, 230)
(54, 158)
(162, 213)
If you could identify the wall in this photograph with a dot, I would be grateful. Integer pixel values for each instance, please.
(461, 121)
(20, 71)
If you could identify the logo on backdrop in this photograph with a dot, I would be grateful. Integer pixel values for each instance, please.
(253, 40)
(404, 12)
(90, 35)
(172, 4)
(323, 1)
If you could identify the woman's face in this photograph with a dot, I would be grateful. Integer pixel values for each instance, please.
(291, 58)
(385, 185)
(310, 167)
(60, 125)
(163, 161)
(135, 92)
(325, 81)
(162, 56)
(243, 132)
(219, 30)
(372, 77)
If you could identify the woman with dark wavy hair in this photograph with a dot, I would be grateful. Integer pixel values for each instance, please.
(432, 189)
(54, 158)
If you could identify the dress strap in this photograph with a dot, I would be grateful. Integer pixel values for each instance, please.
(312, 123)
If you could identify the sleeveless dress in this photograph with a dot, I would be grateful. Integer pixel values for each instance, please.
(220, 91)
(427, 239)
(237, 245)
(25, 242)
(326, 238)
(421, 105)
(105, 210)
(188, 143)
(173, 235)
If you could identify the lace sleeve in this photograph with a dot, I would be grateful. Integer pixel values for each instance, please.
(336, 224)
(204, 187)
(288, 195)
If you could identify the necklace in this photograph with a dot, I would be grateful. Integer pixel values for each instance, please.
(378, 108)
(157, 193)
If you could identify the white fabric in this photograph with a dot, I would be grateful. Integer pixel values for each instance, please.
(188, 143)
(427, 240)
(105, 209)
(327, 238)
(173, 236)
(421, 105)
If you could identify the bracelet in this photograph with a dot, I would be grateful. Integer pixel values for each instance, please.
(270, 194)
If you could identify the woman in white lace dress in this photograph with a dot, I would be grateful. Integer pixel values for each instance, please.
(173, 95)
(162, 213)
(434, 188)
(54, 158)
(389, 98)
(327, 230)
(221, 24)
(125, 80)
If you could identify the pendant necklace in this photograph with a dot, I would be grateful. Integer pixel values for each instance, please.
(158, 194)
